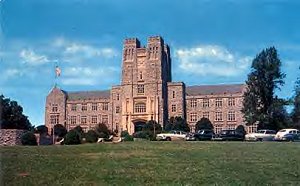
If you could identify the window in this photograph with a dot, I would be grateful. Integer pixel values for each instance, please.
(193, 103)
(118, 97)
(54, 119)
(173, 94)
(105, 119)
(94, 106)
(206, 115)
(205, 103)
(73, 120)
(117, 109)
(84, 107)
(73, 107)
(231, 116)
(83, 120)
(94, 119)
(219, 116)
(140, 107)
(219, 102)
(231, 127)
(54, 108)
(140, 89)
(140, 75)
(104, 106)
(218, 129)
(193, 117)
(173, 108)
(231, 102)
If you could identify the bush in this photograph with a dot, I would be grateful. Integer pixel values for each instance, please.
(128, 138)
(72, 138)
(124, 133)
(102, 131)
(28, 138)
(204, 123)
(91, 136)
(142, 134)
(79, 130)
(60, 130)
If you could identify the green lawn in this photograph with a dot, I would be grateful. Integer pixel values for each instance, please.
(153, 163)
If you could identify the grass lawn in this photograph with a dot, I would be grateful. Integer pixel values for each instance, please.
(153, 163)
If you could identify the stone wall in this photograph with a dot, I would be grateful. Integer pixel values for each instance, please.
(9, 137)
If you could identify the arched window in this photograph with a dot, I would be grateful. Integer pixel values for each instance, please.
(140, 107)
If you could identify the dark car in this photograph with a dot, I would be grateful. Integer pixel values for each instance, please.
(292, 136)
(204, 134)
(230, 135)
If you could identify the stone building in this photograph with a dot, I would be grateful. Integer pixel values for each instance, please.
(146, 93)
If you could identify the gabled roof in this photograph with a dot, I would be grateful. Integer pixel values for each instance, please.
(214, 89)
(88, 95)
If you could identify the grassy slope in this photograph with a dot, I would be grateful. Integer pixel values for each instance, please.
(153, 163)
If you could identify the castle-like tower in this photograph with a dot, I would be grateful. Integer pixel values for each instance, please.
(146, 92)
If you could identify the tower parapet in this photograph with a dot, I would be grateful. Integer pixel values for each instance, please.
(132, 42)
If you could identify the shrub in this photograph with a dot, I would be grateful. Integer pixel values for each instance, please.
(102, 130)
(79, 130)
(124, 133)
(60, 130)
(72, 138)
(28, 138)
(91, 136)
(128, 138)
(142, 134)
(241, 129)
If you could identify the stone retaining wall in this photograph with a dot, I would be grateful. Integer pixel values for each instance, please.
(9, 137)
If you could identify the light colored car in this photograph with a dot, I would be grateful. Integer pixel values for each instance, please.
(261, 135)
(172, 135)
(282, 134)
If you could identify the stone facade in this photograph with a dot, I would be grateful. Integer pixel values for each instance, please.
(9, 137)
(146, 93)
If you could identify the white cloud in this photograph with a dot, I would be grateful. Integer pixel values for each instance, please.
(31, 58)
(88, 75)
(211, 60)
(13, 72)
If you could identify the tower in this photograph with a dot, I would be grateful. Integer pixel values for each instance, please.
(145, 74)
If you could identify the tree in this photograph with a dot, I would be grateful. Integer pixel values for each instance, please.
(102, 130)
(72, 138)
(241, 129)
(60, 130)
(91, 136)
(151, 128)
(204, 123)
(41, 129)
(177, 123)
(28, 138)
(265, 77)
(296, 103)
(12, 116)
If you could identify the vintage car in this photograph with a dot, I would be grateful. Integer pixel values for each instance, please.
(288, 135)
(261, 135)
(172, 135)
(204, 134)
(229, 135)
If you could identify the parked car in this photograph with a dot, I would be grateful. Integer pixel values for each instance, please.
(261, 135)
(190, 136)
(229, 135)
(288, 135)
(204, 134)
(172, 135)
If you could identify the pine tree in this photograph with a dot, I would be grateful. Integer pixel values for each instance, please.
(265, 77)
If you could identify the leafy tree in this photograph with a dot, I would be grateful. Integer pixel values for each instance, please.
(12, 116)
(60, 130)
(28, 138)
(72, 138)
(177, 123)
(91, 136)
(204, 123)
(296, 103)
(79, 130)
(41, 129)
(102, 130)
(265, 77)
(241, 129)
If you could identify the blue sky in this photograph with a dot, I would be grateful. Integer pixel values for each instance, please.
(212, 42)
